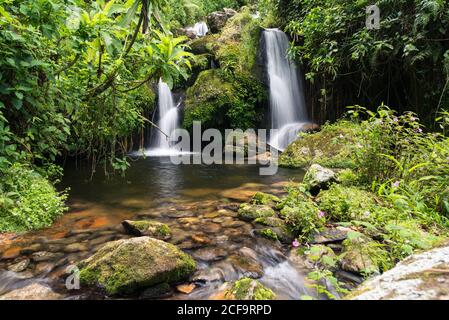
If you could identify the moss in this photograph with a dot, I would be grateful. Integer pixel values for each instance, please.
(250, 212)
(331, 147)
(348, 177)
(347, 203)
(268, 234)
(264, 198)
(270, 221)
(124, 266)
(204, 45)
(148, 228)
(250, 289)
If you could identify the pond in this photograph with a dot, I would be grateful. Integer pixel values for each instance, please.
(199, 204)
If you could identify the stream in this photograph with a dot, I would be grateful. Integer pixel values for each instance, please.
(198, 202)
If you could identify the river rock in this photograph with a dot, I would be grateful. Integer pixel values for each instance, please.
(249, 212)
(330, 235)
(125, 266)
(319, 178)
(152, 229)
(76, 247)
(45, 256)
(33, 291)
(423, 276)
(186, 288)
(160, 291)
(250, 289)
(20, 265)
(246, 266)
(210, 254)
(211, 227)
(208, 275)
(270, 221)
(217, 20)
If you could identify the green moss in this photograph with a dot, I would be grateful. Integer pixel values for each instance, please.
(268, 234)
(331, 147)
(347, 203)
(250, 212)
(264, 198)
(348, 177)
(250, 289)
(270, 221)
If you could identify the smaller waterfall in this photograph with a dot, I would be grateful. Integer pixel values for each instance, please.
(201, 29)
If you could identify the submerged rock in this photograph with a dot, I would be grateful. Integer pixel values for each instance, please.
(246, 265)
(319, 178)
(125, 266)
(423, 276)
(210, 254)
(250, 289)
(249, 212)
(152, 229)
(160, 291)
(32, 291)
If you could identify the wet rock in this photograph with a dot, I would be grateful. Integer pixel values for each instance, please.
(319, 178)
(178, 236)
(159, 291)
(208, 275)
(76, 247)
(189, 220)
(186, 288)
(201, 239)
(45, 256)
(217, 20)
(250, 289)
(189, 245)
(357, 256)
(151, 229)
(209, 254)
(178, 214)
(19, 266)
(32, 248)
(233, 224)
(124, 266)
(330, 235)
(249, 212)
(281, 234)
(246, 266)
(211, 227)
(101, 240)
(222, 220)
(229, 206)
(212, 215)
(423, 276)
(33, 291)
(11, 253)
(44, 267)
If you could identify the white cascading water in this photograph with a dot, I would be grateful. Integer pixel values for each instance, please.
(287, 103)
(201, 29)
(168, 121)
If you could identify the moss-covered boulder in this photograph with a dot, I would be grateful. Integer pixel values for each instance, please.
(125, 266)
(250, 289)
(250, 212)
(331, 147)
(270, 221)
(151, 229)
(204, 45)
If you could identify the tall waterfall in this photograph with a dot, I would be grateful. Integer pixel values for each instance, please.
(287, 103)
(168, 121)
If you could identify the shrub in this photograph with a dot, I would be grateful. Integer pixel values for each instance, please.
(27, 200)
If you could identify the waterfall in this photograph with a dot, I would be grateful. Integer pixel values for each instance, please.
(168, 121)
(287, 103)
(200, 29)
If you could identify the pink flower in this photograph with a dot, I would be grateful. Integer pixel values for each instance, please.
(295, 243)
(395, 120)
(321, 214)
(397, 184)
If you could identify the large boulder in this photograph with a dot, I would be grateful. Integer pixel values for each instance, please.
(318, 178)
(125, 266)
(423, 276)
(217, 20)
(151, 229)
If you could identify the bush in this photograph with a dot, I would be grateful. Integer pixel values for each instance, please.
(304, 218)
(28, 200)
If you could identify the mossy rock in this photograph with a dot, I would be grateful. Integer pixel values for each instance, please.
(267, 233)
(151, 229)
(318, 178)
(204, 45)
(250, 289)
(249, 212)
(125, 266)
(331, 147)
(265, 199)
(270, 221)
(343, 204)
